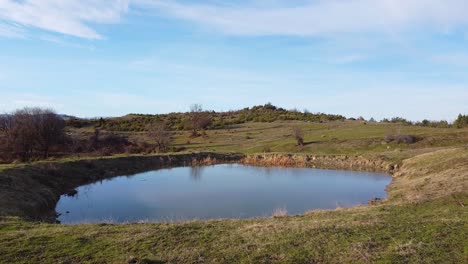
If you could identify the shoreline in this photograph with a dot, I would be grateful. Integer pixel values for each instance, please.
(32, 191)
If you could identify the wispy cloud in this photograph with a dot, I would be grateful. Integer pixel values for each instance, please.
(70, 17)
(321, 17)
(62, 42)
(311, 18)
(10, 31)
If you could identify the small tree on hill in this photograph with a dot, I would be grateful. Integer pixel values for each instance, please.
(198, 119)
(298, 134)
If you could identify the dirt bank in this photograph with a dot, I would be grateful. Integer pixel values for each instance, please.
(339, 162)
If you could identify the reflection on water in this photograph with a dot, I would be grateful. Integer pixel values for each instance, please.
(196, 172)
(219, 191)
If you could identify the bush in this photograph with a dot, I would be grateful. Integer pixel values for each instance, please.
(436, 124)
(198, 119)
(30, 132)
(461, 122)
(398, 138)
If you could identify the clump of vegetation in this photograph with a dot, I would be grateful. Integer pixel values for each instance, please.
(199, 120)
(436, 124)
(34, 133)
(108, 144)
(423, 123)
(397, 120)
(399, 138)
(30, 133)
(462, 121)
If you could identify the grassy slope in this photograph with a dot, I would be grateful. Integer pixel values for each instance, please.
(332, 138)
(424, 220)
(349, 137)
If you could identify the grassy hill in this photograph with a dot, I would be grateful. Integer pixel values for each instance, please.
(181, 121)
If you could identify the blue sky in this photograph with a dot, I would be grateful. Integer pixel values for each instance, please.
(375, 58)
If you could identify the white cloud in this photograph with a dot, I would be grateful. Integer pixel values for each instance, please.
(311, 18)
(70, 17)
(322, 17)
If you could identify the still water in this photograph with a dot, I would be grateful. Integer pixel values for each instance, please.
(219, 191)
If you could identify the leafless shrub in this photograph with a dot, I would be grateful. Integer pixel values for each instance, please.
(31, 130)
(140, 147)
(49, 128)
(114, 143)
(298, 134)
(107, 145)
(157, 131)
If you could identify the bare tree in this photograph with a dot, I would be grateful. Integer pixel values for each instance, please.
(23, 134)
(6, 124)
(298, 134)
(32, 129)
(49, 128)
(198, 119)
(157, 131)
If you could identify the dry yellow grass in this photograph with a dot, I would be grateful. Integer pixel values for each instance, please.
(430, 176)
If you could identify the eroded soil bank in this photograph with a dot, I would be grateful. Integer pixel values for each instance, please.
(337, 162)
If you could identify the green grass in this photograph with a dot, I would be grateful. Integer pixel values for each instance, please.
(423, 220)
(331, 138)
(349, 138)
(429, 232)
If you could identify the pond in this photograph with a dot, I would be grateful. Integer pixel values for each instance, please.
(218, 191)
